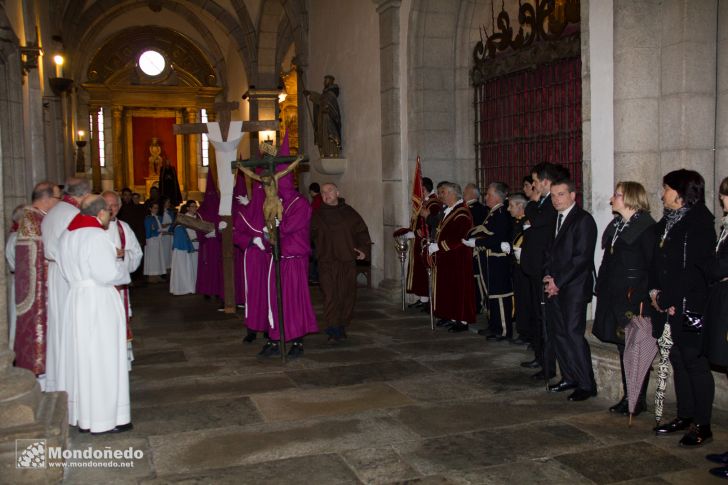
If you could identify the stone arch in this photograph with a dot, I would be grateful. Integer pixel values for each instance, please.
(244, 35)
(298, 20)
(271, 13)
(210, 49)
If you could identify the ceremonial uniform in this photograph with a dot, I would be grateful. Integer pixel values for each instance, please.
(494, 269)
(454, 292)
(521, 285)
(417, 278)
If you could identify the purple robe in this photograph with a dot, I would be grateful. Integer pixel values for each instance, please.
(248, 223)
(209, 258)
(238, 253)
(299, 318)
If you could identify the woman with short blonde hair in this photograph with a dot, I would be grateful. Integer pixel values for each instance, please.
(634, 196)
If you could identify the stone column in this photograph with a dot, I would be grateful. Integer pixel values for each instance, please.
(687, 89)
(636, 95)
(192, 146)
(94, 146)
(394, 167)
(116, 130)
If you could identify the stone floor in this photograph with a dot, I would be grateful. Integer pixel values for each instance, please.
(395, 403)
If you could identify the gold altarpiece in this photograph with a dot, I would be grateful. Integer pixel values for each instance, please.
(115, 82)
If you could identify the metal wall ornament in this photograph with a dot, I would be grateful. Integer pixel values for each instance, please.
(540, 23)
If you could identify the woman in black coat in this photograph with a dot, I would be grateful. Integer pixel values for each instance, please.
(622, 283)
(716, 312)
(686, 242)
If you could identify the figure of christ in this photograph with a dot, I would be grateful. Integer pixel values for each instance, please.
(272, 207)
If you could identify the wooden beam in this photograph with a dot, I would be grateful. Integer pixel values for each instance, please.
(248, 126)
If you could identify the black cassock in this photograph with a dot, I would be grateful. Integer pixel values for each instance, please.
(169, 185)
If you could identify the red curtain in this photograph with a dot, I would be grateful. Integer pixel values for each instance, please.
(528, 117)
(143, 130)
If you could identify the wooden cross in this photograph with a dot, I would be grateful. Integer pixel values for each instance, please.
(223, 111)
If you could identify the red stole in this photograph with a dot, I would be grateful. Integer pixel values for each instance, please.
(124, 289)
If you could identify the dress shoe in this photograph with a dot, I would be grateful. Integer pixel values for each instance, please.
(444, 322)
(84, 430)
(677, 424)
(270, 349)
(697, 435)
(582, 394)
(117, 429)
(720, 472)
(458, 327)
(491, 336)
(296, 350)
(519, 341)
(719, 458)
(531, 364)
(416, 304)
(250, 337)
(563, 386)
(622, 407)
(540, 376)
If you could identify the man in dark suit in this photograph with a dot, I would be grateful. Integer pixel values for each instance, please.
(537, 236)
(569, 283)
(471, 196)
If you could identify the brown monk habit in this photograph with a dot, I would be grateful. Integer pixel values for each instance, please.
(337, 230)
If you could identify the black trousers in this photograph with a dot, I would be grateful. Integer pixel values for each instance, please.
(522, 299)
(566, 324)
(499, 316)
(694, 385)
(537, 326)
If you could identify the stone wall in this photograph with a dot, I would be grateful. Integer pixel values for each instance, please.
(344, 42)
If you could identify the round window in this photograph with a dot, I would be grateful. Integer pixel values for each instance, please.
(152, 63)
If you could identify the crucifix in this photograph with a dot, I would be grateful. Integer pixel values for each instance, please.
(225, 135)
(273, 212)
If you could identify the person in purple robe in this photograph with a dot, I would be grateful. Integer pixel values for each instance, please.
(209, 261)
(238, 254)
(248, 236)
(299, 318)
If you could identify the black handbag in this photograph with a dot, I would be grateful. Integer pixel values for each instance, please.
(692, 322)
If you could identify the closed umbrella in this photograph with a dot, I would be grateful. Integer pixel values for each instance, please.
(639, 351)
(665, 344)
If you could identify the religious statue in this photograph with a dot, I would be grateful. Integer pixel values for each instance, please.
(326, 118)
(155, 159)
(272, 207)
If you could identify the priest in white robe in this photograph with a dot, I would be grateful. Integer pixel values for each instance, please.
(130, 252)
(95, 373)
(53, 226)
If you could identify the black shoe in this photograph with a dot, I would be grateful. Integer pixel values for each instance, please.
(443, 322)
(698, 435)
(296, 350)
(84, 430)
(622, 407)
(416, 304)
(491, 336)
(501, 338)
(563, 386)
(721, 472)
(529, 346)
(519, 341)
(677, 424)
(719, 458)
(458, 327)
(531, 364)
(334, 334)
(540, 376)
(117, 429)
(250, 337)
(270, 349)
(342, 332)
(582, 395)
